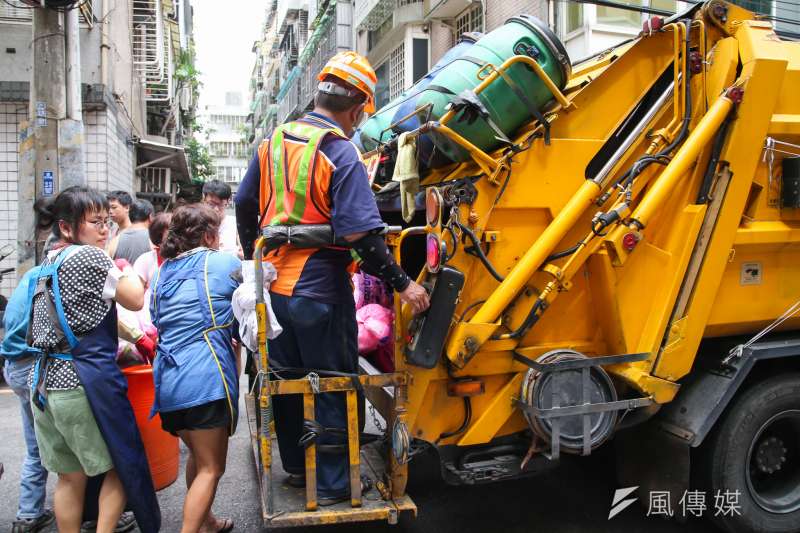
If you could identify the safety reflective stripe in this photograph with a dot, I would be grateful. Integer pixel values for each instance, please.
(297, 193)
(277, 172)
(358, 75)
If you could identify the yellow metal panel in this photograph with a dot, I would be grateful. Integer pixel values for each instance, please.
(311, 457)
(354, 454)
(745, 303)
(785, 124)
(486, 426)
(764, 77)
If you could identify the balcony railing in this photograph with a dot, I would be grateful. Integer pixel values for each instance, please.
(332, 33)
(152, 49)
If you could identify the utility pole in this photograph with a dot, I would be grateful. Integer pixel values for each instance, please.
(71, 164)
(51, 144)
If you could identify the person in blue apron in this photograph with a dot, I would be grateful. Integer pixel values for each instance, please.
(196, 367)
(85, 426)
(32, 515)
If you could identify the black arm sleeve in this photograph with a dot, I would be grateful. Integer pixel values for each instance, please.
(378, 261)
(246, 203)
(247, 226)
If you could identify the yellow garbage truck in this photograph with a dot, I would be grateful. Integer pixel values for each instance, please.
(612, 250)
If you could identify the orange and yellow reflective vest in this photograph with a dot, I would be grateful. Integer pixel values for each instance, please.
(295, 180)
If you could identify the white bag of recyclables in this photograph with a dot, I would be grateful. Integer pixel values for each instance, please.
(244, 305)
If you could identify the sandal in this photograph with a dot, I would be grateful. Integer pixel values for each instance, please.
(227, 525)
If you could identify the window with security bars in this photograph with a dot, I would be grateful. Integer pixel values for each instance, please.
(762, 7)
(574, 17)
(620, 17)
(397, 69)
(470, 20)
(228, 149)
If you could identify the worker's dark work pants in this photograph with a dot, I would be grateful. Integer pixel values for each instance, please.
(319, 336)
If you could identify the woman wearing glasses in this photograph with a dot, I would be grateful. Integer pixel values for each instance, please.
(217, 195)
(84, 424)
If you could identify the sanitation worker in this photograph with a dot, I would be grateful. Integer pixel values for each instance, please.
(310, 173)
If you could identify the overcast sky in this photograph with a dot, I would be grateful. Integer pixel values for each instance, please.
(224, 31)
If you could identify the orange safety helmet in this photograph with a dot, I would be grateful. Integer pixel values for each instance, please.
(354, 69)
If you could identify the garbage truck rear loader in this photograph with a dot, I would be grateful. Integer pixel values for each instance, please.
(623, 267)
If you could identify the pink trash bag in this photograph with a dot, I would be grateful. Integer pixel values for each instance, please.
(370, 290)
(374, 327)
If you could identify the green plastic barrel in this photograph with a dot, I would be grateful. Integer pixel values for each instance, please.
(520, 35)
(377, 129)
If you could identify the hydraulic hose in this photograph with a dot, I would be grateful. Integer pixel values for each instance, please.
(711, 169)
(527, 324)
(662, 157)
(464, 425)
(479, 252)
(564, 253)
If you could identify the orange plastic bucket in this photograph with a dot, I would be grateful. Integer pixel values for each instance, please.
(161, 447)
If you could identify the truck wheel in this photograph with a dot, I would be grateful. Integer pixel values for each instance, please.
(755, 452)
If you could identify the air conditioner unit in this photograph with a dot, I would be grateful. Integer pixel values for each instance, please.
(186, 98)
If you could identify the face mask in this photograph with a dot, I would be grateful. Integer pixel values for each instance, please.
(359, 122)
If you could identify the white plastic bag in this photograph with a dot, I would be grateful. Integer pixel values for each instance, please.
(244, 305)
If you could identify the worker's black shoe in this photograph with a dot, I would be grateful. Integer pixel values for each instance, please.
(125, 523)
(366, 486)
(297, 481)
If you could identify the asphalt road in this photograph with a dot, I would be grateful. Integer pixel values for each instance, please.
(575, 497)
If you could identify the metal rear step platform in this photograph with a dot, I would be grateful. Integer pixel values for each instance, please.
(289, 503)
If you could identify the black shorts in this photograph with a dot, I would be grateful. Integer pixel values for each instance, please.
(204, 416)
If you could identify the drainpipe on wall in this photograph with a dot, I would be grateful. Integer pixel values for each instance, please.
(104, 46)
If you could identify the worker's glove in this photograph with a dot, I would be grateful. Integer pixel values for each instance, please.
(146, 348)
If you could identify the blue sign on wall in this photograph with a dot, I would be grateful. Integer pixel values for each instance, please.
(47, 183)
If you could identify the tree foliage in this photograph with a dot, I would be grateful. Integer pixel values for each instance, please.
(200, 161)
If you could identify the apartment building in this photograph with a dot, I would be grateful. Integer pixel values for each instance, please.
(224, 127)
(135, 108)
(299, 37)
(587, 29)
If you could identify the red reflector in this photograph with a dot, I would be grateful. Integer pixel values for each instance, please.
(629, 241)
(433, 206)
(433, 253)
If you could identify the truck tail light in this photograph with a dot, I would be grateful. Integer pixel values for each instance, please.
(465, 388)
(433, 206)
(434, 253)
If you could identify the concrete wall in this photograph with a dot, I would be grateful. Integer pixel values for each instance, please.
(109, 155)
(17, 66)
(124, 83)
(441, 40)
(497, 12)
(11, 114)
